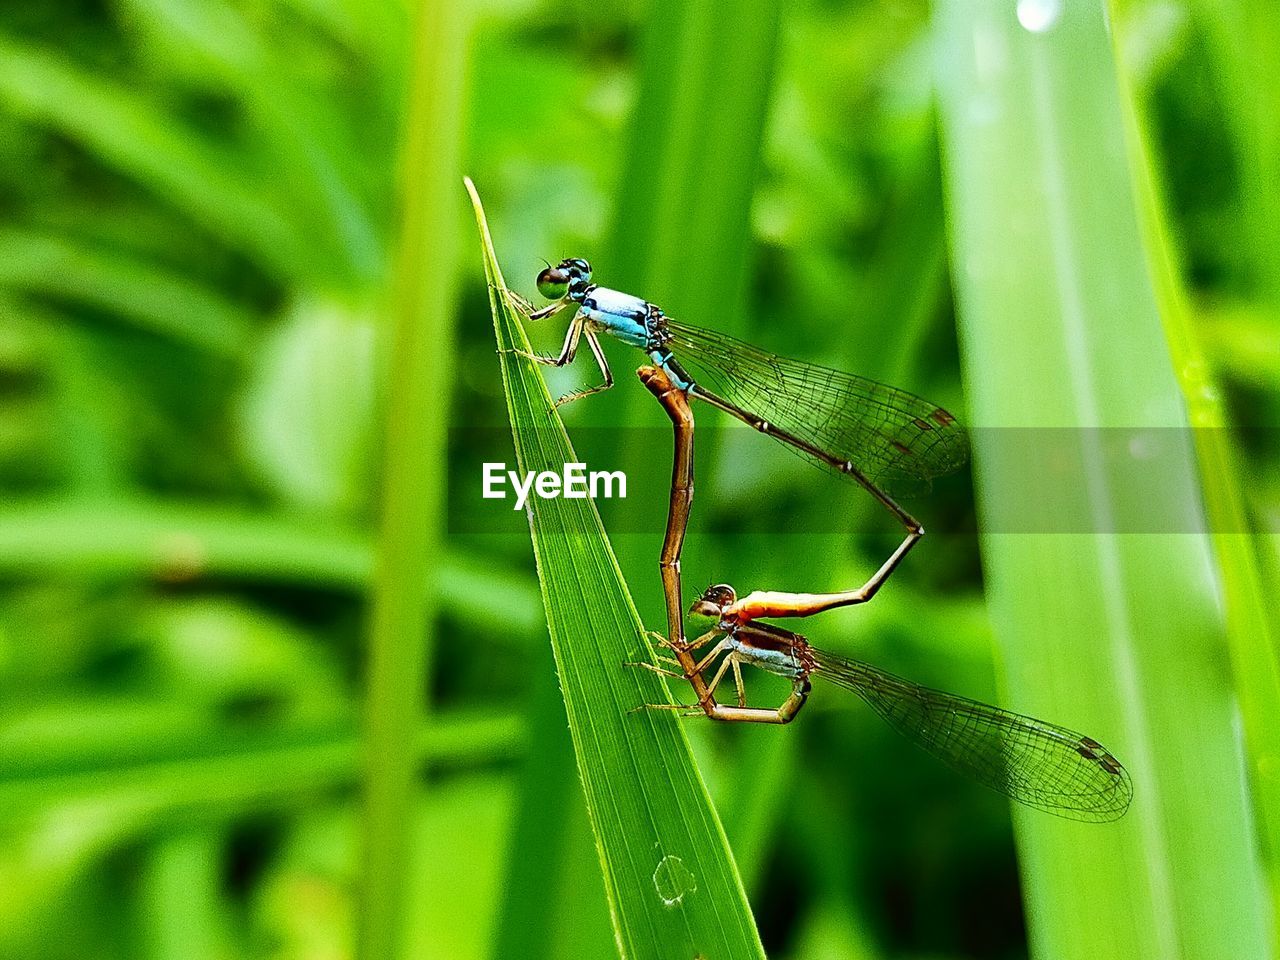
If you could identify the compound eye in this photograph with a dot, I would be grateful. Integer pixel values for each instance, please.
(553, 283)
(714, 600)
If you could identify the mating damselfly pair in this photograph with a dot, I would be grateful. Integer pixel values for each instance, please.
(891, 443)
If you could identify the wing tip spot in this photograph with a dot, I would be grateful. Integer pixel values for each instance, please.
(942, 417)
(1091, 749)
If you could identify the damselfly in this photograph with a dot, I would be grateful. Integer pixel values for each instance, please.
(887, 440)
(1035, 762)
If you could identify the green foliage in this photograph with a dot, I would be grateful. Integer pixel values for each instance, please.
(1252, 623)
(247, 382)
(1062, 328)
(411, 532)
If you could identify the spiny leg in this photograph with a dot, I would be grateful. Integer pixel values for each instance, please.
(657, 638)
(521, 303)
(691, 646)
(715, 652)
(567, 352)
(737, 682)
(656, 669)
(598, 353)
(684, 674)
(715, 681)
(684, 709)
(782, 714)
(550, 310)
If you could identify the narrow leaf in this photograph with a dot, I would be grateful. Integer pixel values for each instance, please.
(672, 886)
(140, 293)
(1105, 624)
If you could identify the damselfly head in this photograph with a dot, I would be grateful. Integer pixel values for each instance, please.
(714, 600)
(566, 277)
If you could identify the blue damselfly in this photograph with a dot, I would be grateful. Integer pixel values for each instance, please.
(887, 440)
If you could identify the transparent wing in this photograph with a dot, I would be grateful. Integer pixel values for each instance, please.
(898, 440)
(1040, 764)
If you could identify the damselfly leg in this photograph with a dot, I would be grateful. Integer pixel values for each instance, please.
(577, 331)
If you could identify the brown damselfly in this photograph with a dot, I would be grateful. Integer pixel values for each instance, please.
(1040, 764)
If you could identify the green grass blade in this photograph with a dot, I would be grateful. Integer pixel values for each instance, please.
(551, 848)
(672, 886)
(184, 541)
(1116, 634)
(411, 534)
(193, 774)
(1253, 620)
(184, 908)
(136, 137)
(1244, 39)
(682, 222)
(166, 303)
(216, 40)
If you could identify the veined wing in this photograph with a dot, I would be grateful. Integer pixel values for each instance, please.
(897, 440)
(1040, 764)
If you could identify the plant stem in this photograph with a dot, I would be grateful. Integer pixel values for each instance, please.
(411, 531)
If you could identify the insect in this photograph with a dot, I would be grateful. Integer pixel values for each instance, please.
(1040, 764)
(885, 439)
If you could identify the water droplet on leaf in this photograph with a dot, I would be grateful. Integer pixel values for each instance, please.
(673, 880)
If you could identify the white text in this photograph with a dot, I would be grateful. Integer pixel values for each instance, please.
(573, 483)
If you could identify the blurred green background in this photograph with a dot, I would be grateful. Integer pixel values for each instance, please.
(214, 214)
